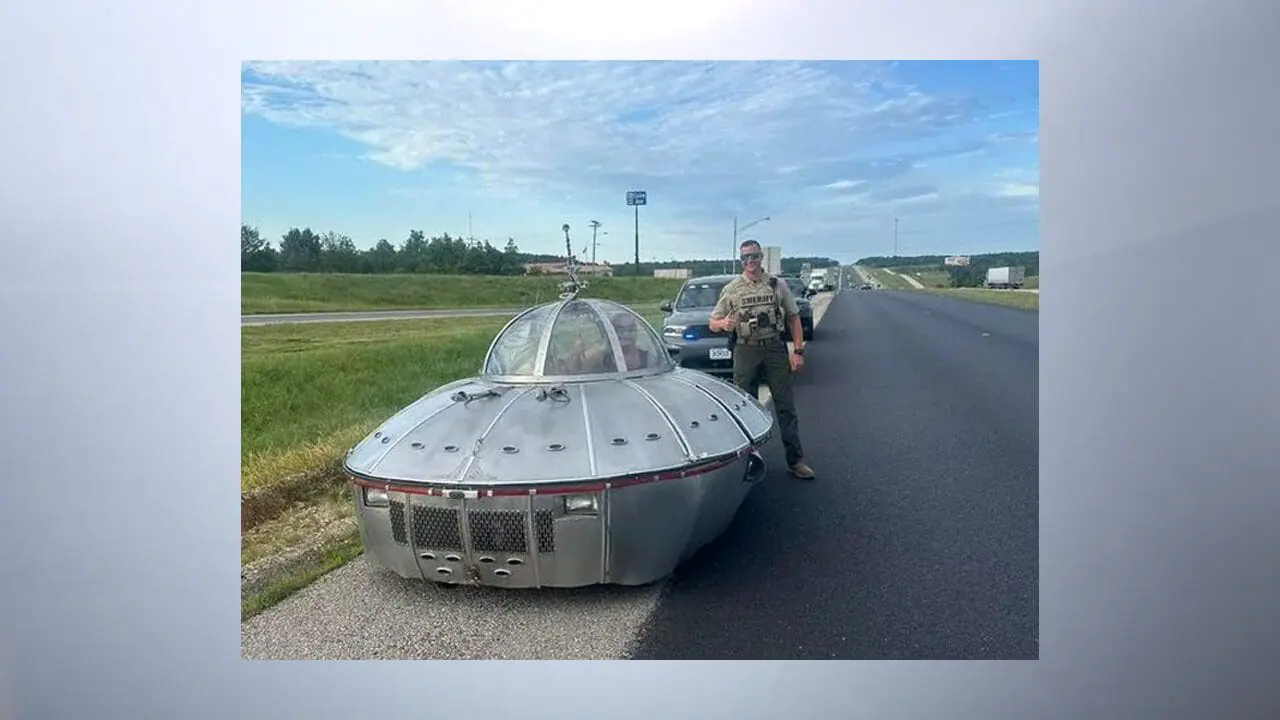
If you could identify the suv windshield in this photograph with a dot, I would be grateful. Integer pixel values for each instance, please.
(796, 286)
(699, 295)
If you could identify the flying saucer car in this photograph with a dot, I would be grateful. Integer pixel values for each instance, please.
(581, 455)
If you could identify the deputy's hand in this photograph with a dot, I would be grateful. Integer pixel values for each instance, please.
(726, 324)
(797, 362)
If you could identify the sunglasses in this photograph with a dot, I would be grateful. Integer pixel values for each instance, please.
(752, 256)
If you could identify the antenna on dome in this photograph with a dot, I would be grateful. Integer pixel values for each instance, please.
(573, 286)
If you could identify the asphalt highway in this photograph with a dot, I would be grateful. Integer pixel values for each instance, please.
(919, 538)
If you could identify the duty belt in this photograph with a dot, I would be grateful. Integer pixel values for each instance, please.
(771, 340)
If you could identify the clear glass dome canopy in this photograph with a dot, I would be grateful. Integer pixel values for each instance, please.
(576, 339)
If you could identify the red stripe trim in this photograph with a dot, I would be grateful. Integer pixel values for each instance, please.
(525, 490)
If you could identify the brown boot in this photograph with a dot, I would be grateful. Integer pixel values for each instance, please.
(802, 471)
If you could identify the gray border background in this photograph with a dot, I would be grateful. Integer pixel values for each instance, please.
(1161, 363)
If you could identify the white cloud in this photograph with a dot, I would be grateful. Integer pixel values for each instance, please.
(1018, 190)
(707, 140)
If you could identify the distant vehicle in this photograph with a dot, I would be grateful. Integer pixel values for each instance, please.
(864, 286)
(773, 260)
(1005, 278)
(830, 278)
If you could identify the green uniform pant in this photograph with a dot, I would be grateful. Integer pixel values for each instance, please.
(771, 364)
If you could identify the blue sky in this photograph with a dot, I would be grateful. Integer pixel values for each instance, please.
(831, 152)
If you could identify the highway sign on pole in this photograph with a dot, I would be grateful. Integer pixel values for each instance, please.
(636, 198)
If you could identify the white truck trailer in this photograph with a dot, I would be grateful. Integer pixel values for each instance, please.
(773, 260)
(1005, 278)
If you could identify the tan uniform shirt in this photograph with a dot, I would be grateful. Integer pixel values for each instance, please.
(748, 300)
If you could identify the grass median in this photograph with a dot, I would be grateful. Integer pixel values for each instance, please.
(267, 293)
(1008, 298)
(308, 393)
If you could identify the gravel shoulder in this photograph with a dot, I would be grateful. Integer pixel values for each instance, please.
(361, 612)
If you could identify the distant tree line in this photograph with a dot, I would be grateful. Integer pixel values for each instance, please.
(972, 275)
(306, 251)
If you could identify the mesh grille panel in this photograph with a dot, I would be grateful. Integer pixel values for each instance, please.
(544, 525)
(498, 531)
(397, 523)
(436, 528)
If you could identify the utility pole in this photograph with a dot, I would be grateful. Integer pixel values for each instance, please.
(595, 225)
(895, 238)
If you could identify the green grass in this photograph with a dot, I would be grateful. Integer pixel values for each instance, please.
(265, 293)
(334, 557)
(932, 278)
(1008, 298)
(889, 280)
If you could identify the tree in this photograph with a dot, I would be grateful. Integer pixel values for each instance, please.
(300, 251)
(256, 254)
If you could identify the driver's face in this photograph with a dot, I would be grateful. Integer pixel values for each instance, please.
(626, 333)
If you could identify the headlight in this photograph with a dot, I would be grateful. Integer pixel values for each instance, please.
(376, 497)
(673, 329)
(581, 505)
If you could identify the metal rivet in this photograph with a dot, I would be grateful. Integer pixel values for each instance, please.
(555, 447)
(714, 417)
(451, 448)
(694, 423)
(652, 436)
(619, 441)
(417, 446)
(509, 449)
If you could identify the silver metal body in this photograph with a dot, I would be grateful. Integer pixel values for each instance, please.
(580, 455)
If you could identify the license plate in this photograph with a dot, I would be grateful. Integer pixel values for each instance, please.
(720, 353)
